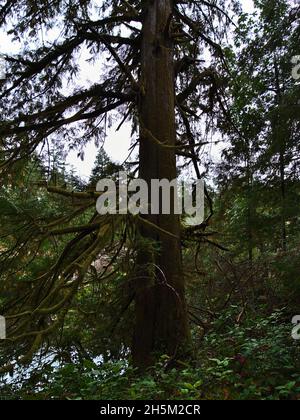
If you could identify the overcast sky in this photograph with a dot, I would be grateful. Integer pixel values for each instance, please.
(116, 143)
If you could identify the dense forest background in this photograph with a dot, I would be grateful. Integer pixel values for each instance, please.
(212, 318)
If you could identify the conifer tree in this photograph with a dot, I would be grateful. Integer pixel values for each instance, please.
(149, 57)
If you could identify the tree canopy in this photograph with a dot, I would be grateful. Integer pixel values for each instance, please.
(207, 90)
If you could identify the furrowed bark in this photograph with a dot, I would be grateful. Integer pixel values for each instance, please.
(161, 317)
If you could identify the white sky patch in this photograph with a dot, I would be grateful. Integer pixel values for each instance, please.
(116, 145)
(248, 6)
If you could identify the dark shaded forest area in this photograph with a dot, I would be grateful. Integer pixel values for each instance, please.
(146, 305)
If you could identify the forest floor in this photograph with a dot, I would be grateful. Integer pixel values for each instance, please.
(256, 360)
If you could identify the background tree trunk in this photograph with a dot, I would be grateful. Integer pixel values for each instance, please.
(161, 317)
(280, 133)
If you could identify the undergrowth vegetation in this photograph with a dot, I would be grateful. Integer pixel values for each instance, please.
(255, 360)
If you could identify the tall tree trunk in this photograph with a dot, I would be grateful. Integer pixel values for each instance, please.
(280, 138)
(250, 205)
(161, 317)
